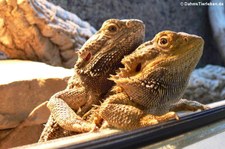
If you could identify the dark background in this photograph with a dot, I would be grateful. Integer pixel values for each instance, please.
(158, 15)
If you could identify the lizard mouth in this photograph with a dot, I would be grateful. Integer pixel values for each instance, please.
(130, 70)
(127, 73)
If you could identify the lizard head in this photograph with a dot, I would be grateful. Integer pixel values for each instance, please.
(158, 70)
(101, 55)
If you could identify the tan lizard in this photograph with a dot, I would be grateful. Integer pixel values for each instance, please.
(99, 57)
(153, 80)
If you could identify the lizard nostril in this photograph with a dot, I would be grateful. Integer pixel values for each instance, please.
(138, 67)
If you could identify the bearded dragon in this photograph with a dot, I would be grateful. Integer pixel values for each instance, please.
(153, 81)
(99, 57)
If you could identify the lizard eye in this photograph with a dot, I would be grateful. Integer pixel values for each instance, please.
(112, 28)
(163, 41)
(88, 57)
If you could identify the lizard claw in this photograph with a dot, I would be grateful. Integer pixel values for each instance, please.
(205, 107)
(94, 129)
(177, 117)
(79, 110)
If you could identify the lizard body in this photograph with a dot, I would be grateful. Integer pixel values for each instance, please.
(153, 81)
(99, 57)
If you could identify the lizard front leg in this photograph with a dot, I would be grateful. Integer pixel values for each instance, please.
(62, 106)
(75, 97)
(120, 112)
(52, 130)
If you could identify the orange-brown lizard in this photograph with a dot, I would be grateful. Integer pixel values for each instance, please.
(153, 81)
(99, 57)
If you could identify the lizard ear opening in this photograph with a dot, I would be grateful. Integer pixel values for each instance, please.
(138, 67)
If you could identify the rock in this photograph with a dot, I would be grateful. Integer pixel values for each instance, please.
(207, 84)
(27, 131)
(23, 86)
(40, 31)
(27, 135)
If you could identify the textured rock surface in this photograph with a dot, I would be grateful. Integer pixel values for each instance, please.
(158, 15)
(207, 84)
(40, 31)
(27, 132)
(24, 136)
(24, 85)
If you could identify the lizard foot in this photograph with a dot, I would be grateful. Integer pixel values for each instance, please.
(149, 119)
(85, 127)
(167, 116)
(188, 105)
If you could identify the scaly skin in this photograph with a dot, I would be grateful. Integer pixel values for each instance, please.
(153, 80)
(99, 57)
